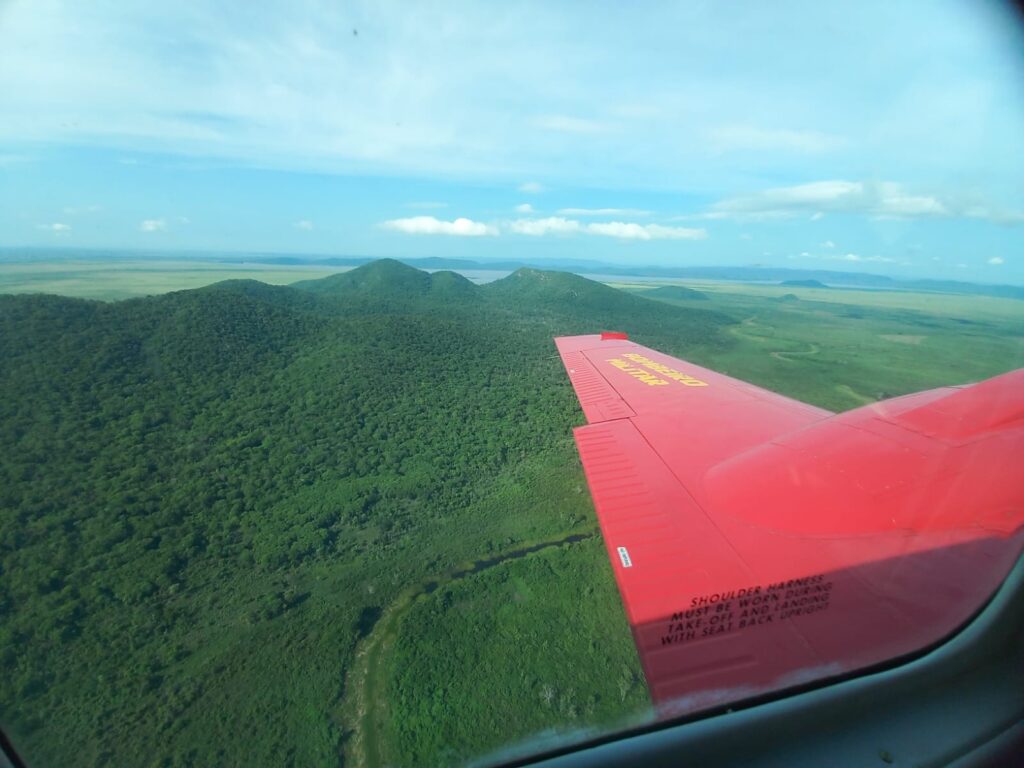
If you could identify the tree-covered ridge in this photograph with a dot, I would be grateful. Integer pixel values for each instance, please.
(204, 495)
(677, 292)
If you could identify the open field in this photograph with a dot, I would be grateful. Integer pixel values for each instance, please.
(946, 304)
(841, 348)
(109, 280)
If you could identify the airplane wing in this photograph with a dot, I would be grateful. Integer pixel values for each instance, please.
(759, 543)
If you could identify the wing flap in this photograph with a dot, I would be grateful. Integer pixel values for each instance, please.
(599, 400)
(667, 553)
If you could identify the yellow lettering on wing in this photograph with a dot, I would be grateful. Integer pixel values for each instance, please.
(638, 373)
(670, 373)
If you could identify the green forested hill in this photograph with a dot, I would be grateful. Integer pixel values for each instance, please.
(208, 497)
(387, 284)
(675, 292)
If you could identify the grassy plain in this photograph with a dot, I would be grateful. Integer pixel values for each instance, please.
(843, 348)
(127, 279)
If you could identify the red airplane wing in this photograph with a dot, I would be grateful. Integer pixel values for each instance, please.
(759, 542)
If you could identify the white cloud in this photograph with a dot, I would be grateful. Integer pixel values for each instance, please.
(828, 244)
(428, 225)
(738, 137)
(850, 257)
(882, 200)
(892, 202)
(551, 225)
(856, 257)
(997, 260)
(603, 212)
(56, 227)
(618, 229)
(531, 188)
(152, 225)
(296, 90)
(996, 216)
(304, 224)
(633, 231)
(800, 197)
(525, 208)
(566, 124)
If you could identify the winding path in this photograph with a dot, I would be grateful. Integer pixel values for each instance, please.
(368, 707)
(779, 354)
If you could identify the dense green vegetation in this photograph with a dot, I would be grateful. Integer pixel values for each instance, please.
(222, 510)
(675, 293)
(454, 647)
(207, 496)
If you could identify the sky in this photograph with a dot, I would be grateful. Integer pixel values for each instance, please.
(881, 137)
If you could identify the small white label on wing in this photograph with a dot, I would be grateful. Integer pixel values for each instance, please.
(624, 557)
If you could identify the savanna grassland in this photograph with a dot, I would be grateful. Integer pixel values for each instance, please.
(106, 279)
(841, 348)
(344, 521)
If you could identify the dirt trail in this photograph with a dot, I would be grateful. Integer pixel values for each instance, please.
(779, 354)
(368, 707)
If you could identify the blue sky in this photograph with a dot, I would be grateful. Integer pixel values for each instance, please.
(881, 137)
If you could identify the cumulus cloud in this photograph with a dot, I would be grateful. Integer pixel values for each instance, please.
(152, 225)
(428, 225)
(849, 257)
(304, 224)
(828, 244)
(633, 231)
(737, 137)
(525, 208)
(552, 225)
(857, 257)
(997, 260)
(531, 188)
(883, 200)
(996, 216)
(618, 229)
(603, 212)
(834, 195)
(56, 226)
